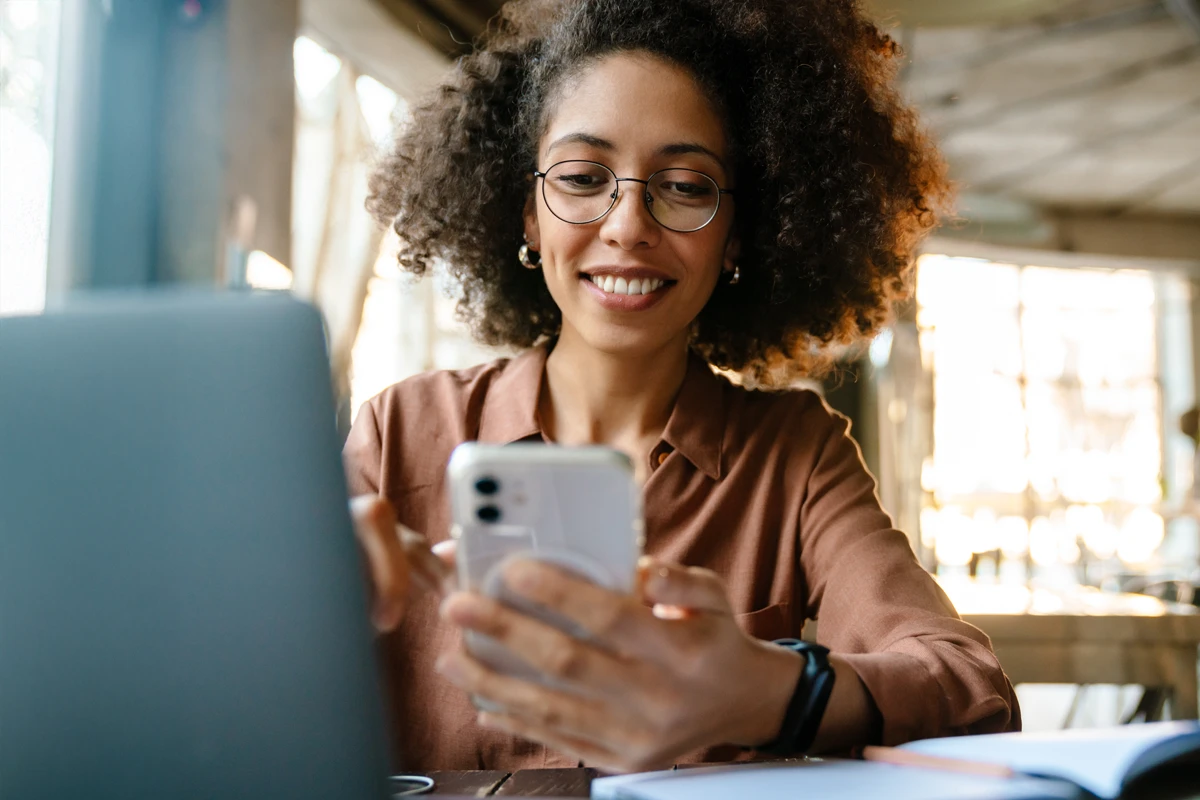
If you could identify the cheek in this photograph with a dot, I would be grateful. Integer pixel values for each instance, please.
(705, 250)
(562, 246)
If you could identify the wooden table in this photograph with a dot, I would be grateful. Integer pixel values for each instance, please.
(570, 783)
(1082, 635)
(558, 783)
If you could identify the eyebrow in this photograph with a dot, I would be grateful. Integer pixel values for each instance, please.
(673, 149)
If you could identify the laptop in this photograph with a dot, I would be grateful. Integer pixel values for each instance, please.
(182, 604)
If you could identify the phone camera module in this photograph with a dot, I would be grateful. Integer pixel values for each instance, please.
(488, 486)
(488, 513)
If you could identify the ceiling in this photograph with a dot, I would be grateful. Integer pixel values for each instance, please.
(1081, 104)
(1096, 106)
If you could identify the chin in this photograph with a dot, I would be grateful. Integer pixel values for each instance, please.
(626, 339)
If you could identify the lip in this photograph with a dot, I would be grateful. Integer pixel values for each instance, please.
(626, 302)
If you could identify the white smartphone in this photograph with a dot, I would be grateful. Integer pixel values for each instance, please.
(578, 508)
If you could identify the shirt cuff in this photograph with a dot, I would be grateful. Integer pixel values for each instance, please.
(914, 705)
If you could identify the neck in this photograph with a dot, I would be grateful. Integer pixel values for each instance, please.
(620, 400)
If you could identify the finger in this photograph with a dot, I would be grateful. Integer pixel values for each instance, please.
(691, 588)
(447, 551)
(374, 523)
(428, 570)
(616, 620)
(546, 707)
(546, 648)
(663, 611)
(592, 754)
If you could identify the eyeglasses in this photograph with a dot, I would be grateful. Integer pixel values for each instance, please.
(681, 200)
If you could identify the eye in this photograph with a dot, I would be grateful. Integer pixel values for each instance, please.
(580, 181)
(685, 189)
(578, 178)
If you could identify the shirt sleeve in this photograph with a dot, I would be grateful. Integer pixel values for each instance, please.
(362, 454)
(929, 673)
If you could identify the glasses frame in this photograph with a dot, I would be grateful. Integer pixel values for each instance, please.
(616, 195)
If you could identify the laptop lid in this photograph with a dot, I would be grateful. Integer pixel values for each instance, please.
(182, 607)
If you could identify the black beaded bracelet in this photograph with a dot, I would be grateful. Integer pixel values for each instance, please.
(807, 706)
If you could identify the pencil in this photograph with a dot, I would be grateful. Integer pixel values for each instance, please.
(905, 758)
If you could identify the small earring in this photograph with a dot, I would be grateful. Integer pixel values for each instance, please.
(736, 276)
(526, 261)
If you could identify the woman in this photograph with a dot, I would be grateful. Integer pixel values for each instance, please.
(633, 192)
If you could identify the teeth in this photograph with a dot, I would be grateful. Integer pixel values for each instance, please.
(633, 287)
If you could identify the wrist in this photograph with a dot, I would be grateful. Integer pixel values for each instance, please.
(772, 684)
(805, 712)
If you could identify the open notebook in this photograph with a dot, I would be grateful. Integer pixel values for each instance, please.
(1063, 764)
(1104, 761)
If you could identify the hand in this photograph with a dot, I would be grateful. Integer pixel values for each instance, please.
(647, 687)
(399, 560)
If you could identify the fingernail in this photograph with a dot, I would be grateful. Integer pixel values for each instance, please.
(663, 611)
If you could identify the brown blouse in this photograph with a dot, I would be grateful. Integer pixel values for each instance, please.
(767, 489)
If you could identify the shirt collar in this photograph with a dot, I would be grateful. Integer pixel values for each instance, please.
(696, 427)
(510, 409)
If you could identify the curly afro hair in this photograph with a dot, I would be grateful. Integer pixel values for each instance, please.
(837, 182)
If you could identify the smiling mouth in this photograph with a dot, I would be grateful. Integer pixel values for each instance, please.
(631, 287)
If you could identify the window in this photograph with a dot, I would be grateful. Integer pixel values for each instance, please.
(1055, 395)
(408, 326)
(29, 34)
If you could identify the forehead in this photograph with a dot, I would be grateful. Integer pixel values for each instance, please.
(639, 103)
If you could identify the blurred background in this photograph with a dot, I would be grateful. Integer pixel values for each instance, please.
(1030, 416)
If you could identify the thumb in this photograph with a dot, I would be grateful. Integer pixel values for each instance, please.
(673, 588)
(375, 525)
(447, 551)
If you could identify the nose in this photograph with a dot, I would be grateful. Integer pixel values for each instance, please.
(629, 224)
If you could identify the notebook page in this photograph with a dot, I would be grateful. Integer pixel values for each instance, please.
(843, 779)
(1097, 759)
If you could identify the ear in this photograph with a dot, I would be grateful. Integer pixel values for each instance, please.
(733, 251)
(529, 215)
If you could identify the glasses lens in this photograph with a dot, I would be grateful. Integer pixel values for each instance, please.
(682, 199)
(579, 191)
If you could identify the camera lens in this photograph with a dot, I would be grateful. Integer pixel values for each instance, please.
(487, 486)
(488, 513)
